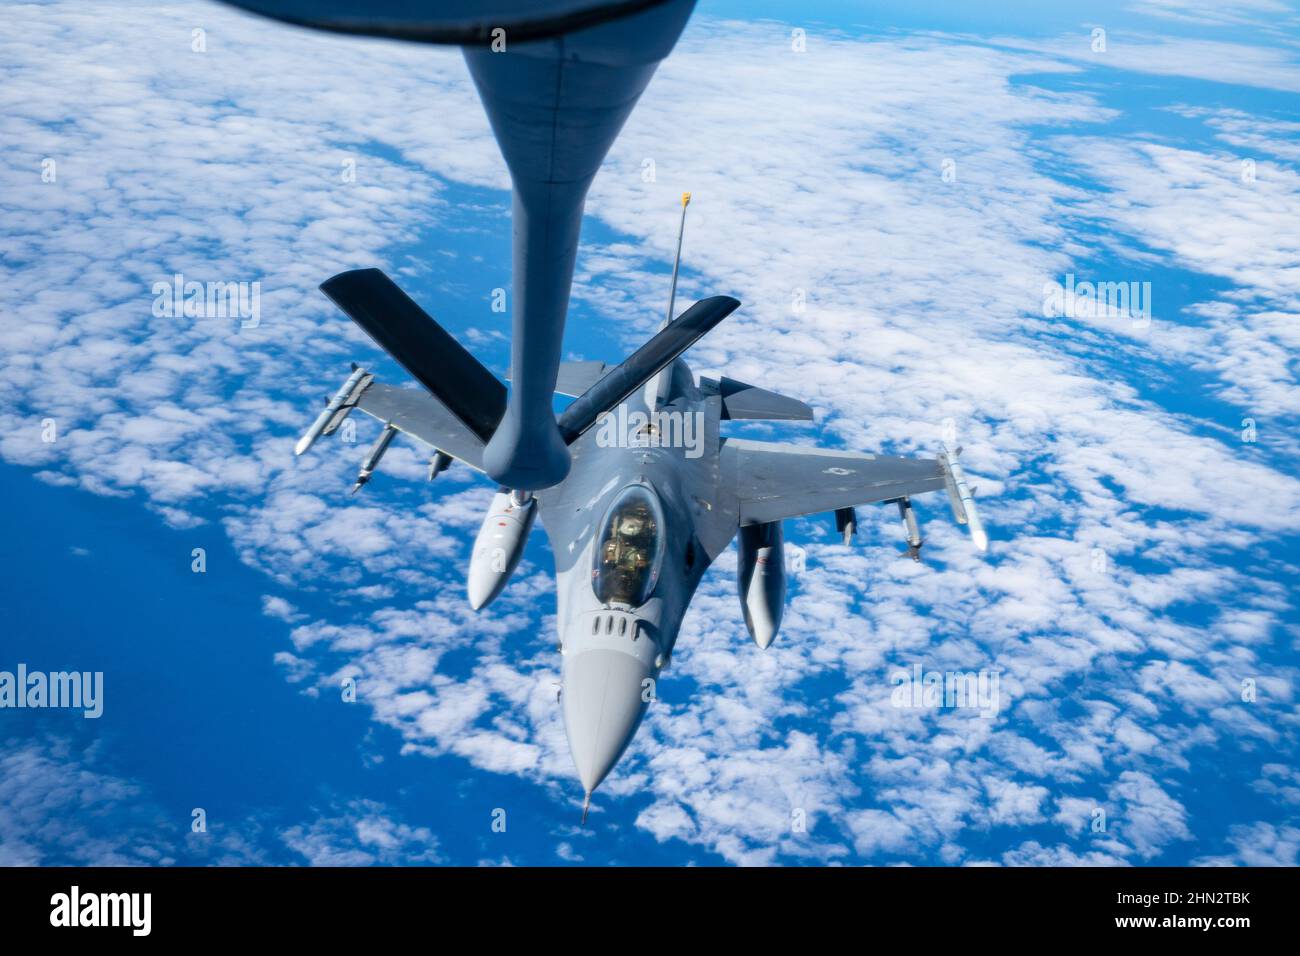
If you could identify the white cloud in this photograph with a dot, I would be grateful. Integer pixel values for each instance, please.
(1219, 12)
(361, 835)
(60, 807)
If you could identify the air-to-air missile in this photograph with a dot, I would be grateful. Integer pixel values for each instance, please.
(374, 455)
(336, 409)
(911, 530)
(962, 498)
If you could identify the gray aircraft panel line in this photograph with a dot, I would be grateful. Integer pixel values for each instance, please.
(555, 105)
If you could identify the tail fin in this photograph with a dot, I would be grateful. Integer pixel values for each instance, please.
(423, 347)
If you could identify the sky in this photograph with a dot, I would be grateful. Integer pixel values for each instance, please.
(893, 195)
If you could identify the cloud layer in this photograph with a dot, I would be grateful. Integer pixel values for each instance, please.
(890, 211)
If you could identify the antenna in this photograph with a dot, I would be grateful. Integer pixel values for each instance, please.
(656, 392)
(677, 260)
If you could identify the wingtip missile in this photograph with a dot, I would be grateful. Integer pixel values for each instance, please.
(330, 413)
(317, 428)
(962, 498)
(307, 440)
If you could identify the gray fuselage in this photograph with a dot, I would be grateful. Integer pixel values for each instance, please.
(615, 644)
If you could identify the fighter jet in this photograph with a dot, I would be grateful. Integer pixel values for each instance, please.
(558, 78)
(655, 494)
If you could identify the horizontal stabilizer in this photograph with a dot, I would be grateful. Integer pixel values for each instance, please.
(621, 381)
(749, 402)
(424, 348)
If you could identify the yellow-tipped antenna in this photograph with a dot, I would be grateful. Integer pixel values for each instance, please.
(657, 388)
(677, 260)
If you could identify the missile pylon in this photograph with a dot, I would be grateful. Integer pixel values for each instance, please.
(439, 463)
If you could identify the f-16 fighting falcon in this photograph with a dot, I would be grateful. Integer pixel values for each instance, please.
(655, 494)
(558, 78)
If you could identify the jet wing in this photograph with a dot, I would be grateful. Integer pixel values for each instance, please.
(785, 481)
(417, 413)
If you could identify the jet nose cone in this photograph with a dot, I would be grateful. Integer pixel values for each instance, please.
(603, 706)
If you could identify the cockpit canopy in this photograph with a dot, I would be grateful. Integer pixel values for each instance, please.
(630, 548)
